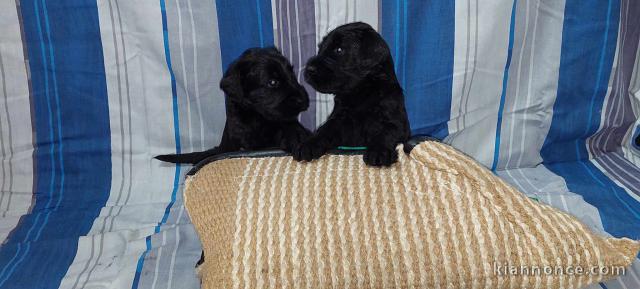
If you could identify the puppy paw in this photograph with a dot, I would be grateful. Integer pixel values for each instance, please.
(308, 150)
(380, 157)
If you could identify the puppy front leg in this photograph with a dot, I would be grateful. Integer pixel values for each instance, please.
(381, 149)
(319, 143)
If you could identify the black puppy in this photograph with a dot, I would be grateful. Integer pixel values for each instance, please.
(354, 63)
(263, 101)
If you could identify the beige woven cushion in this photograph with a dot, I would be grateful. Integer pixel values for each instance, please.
(436, 219)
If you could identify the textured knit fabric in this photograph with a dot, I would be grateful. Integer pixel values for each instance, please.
(436, 219)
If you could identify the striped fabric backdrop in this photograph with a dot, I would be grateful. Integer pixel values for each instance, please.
(544, 92)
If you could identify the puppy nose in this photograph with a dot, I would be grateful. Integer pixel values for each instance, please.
(302, 102)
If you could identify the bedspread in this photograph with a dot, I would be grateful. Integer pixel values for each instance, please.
(543, 92)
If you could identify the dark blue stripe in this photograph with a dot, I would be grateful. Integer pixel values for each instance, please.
(588, 45)
(505, 80)
(243, 24)
(620, 213)
(72, 137)
(176, 131)
(424, 63)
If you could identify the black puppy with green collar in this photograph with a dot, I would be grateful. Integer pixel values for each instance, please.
(354, 63)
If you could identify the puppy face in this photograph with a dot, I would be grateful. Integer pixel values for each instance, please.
(263, 81)
(346, 56)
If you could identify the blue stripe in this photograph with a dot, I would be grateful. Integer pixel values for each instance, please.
(505, 79)
(176, 131)
(241, 25)
(259, 17)
(427, 78)
(589, 38)
(588, 41)
(72, 136)
(59, 120)
(620, 213)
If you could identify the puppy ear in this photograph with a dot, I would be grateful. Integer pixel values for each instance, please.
(231, 83)
(374, 48)
(273, 50)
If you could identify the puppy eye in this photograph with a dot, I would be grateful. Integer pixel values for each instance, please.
(273, 83)
(338, 51)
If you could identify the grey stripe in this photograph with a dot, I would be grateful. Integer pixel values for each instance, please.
(327, 97)
(303, 33)
(307, 47)
(288, 25)
(196, 77)
(618, 115)
(473, 70)
(621, 170)
(281, 26)
(9, 138)
(466, 62)
(517, 90)
(346, 11)
(530, 81)
(185, 80)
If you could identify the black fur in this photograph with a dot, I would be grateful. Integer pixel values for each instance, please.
(263, 100)
(354, 63)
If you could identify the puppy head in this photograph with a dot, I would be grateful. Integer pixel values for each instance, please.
(262, 80)
(348, 55)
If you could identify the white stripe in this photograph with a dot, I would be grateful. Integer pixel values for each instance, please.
(175, 250)
(271, 224)
(340, 178)
(156, 270)
(395, 255)
(317, 222)
(196, 80)
(353, 220)
(263, 165)
(281, 235)
(185, 80)
(260, 222)
(402, 226)
(415, 216)
(377, 228)
(368, 242)
(329, 224)
(240, 204)
(519, 73)
(423, 217)
(307, 221)
(295, 225)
